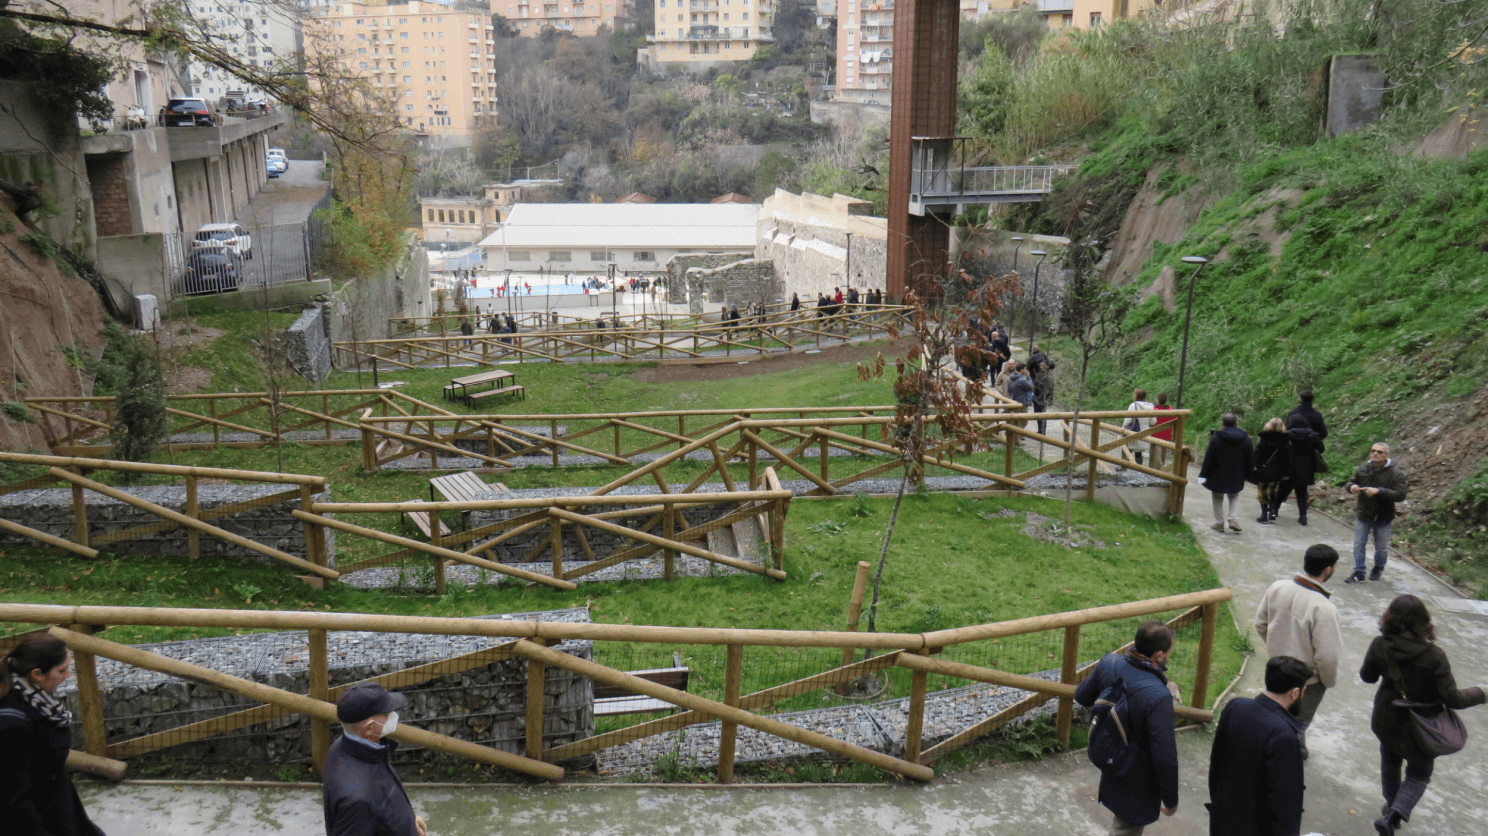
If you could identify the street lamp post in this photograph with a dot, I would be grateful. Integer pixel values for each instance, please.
(1017, 245)
(1198, 261)
(1033, 325)
(614, 307)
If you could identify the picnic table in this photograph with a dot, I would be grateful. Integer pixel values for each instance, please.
(460, 387)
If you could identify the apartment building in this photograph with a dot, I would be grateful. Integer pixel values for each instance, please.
(435, 61)
(577, 17)
(698, 34)
(1093, 14)
(259, 33)
(865, 45)
(466, 219)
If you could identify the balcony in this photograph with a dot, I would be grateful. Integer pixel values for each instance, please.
(1054, 7)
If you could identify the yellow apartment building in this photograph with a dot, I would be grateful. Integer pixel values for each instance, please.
(435, 61)
(698, 34)
(1092, 14)
(578, 17)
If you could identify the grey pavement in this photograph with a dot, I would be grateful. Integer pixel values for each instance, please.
(1053, 796)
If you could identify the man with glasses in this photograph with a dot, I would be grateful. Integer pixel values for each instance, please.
(1378, 484)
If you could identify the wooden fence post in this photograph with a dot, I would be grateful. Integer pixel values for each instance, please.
(669, 530)
(320, 689)
(435, 560)
(90, 699)
(1180, 468)
(1206, 656)
(79, 512)
(855, 607)
(193, 510)
(536, 694)
(216, 427)
(914, 731)
(1009, 445)
(825, 451)
(553, 437)
(777, 532)
(732, 675)
(555, 540)
(1065, 716)
(1090, 473)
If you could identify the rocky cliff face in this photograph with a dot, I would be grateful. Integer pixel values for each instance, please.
(43, 311)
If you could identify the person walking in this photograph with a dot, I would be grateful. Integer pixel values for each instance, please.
(1408, 665)
(1136, 796)
(1378, 484)
(1255, 765)
(1159, 452)
(1002, 377)
(363, 795)
(466, 329)
(1273, 456)
(795, 302)
(1297, 618)
(1229, 463)
(1306, 449)
(1137, 423)
(1305, 408)
(36, 796)
(1020, 388)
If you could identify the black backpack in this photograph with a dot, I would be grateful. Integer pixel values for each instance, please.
(1112, 747)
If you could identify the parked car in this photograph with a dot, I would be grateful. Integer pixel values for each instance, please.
(209, 271)
(224, 236)
(278, 154)
(189, 113)
(276, 166)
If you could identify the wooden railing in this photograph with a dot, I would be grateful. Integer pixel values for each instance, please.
(532, 640)
(546, 519)
(198, 521)
(777, 332)
(804, 445)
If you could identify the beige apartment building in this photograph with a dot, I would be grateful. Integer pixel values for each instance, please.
(578, 17)
(1092, 14)
(436, 62)
(698, 34)
(865, 45)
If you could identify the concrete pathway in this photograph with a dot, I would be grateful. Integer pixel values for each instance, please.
(1054, 796)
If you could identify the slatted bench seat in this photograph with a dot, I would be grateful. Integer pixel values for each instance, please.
(505, 390)
(612, 700)
(420, 520)
(462, 487)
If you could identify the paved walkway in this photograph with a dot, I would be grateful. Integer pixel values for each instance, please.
(1053, 796)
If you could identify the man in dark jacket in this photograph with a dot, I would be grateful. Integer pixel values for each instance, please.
(1229, 463)
(363, 796)
(1020, 387)
(1255, 767)
(1150, 786)
(1305, 409)
(1378, 484)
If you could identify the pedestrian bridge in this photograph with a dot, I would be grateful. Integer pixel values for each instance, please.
(940, 178)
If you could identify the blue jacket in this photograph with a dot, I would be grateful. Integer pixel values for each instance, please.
(1255, 771)
(363, 797)
(1152, 783)
(1020, 388)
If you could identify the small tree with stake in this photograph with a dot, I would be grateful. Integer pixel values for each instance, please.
(130, 371)
(1093, 312)
(932, 413)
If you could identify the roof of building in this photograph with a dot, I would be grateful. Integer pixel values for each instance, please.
(628, 226)
(637, 197)
(731, 197)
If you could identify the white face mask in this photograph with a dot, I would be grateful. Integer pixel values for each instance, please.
(391, 725)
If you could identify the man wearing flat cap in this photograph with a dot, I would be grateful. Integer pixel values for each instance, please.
(363, 796)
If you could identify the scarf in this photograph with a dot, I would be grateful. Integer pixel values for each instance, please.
(50, 708)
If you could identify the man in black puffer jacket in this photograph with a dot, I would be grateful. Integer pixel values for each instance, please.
(1305, 409)
(1229, 463)
(363, 796)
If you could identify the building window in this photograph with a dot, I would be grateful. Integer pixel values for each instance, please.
(431, 216)
(643, 255)
(441, 216)
(560, 255)
(1095, 20)
(597, 255)
(519, 255)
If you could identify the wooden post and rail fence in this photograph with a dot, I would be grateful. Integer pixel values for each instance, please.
(532, 640)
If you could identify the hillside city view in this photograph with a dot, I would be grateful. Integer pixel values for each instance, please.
(416, 412)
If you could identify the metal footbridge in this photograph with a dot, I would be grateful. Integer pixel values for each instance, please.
(938, 181)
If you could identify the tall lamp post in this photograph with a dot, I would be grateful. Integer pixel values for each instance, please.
(614, 306)
(1033, 326)
(1017, 245)
(1198, 261)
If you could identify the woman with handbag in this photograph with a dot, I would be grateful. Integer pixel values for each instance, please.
(1414, 716)
(1273, 457)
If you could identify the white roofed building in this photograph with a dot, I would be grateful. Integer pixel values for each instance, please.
(585, 238)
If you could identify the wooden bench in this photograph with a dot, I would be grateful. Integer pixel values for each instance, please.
(420, 520)
(462, 487)
(460, 386)
(612, 700)
(505, 390)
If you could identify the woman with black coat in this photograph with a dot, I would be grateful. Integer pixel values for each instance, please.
(1307, 445)
(1405, 652)
(36, 796)
(1273, 456)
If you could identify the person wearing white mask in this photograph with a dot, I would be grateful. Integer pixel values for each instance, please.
(363, 796)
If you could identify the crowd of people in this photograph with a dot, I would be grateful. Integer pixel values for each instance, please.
(1260, 743)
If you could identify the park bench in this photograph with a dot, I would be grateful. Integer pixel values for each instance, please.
(612, 700)
(462, 487)
(420, 519)
(460, 387)
(504, 390)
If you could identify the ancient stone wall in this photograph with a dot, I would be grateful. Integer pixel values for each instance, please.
(737, 284)
(308, 345)
(676, 270)
(821, 243)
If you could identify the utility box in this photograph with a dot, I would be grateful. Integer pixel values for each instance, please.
(146, 312)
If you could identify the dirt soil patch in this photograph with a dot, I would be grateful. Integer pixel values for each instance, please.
(759, 365)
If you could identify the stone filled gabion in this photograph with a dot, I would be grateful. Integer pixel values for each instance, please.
(485, 705)
(50, 510)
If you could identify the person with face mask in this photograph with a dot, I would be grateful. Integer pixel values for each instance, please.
(363, 796)
(1255, 767)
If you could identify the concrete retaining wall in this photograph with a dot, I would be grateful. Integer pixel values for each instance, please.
(361, 309)
(50, 510)
(821, 243)
(308, 346)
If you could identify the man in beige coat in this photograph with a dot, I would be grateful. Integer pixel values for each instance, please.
(1297, 619)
